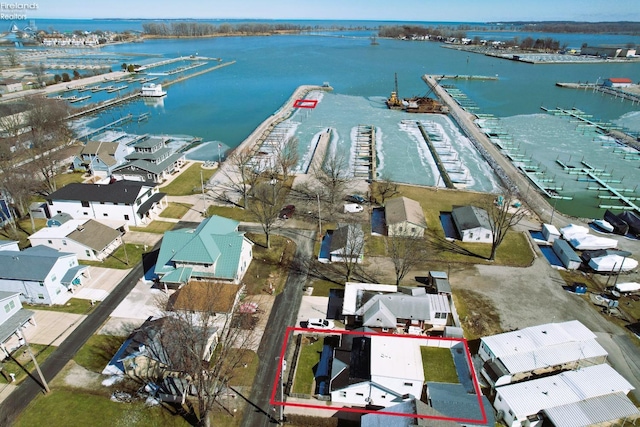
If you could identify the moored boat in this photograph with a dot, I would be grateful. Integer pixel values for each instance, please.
(152, 90)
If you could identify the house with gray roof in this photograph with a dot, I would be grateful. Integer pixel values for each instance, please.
(9, 245)
(472, 224)
(134, 202)
(213, 251)
(404, 217)
(13, 317)
(152, 161)
(347, 244)
(101, 157)
(89, 239)
(40, 275)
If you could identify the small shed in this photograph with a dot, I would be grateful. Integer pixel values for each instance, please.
(618, 82)
(440, 281)
(38, 210)
(473, 224)
(550, 232)
(569, 258)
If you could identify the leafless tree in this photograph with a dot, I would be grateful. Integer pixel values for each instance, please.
(267, 199)
(204, 341)
(242, 176)
(12, 125)
(385, 188)
(12, 57)
(406, 253)
(348, 240)
(333, 177)
(504, 214)
(287, 156)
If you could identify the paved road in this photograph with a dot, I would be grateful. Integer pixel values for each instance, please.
(27, 391)
(283, 314)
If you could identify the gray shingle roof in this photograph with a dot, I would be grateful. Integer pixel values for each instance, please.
(470, 217)
(33, 263)
(94, 235)
(403, 209)
(118, 192)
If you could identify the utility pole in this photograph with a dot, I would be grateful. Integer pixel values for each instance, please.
(204, 203)
(23, 340)
(319, 219)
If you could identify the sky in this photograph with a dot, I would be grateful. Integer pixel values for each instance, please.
(384, 10)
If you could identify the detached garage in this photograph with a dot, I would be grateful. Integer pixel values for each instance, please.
(472, 224)
(569, 258)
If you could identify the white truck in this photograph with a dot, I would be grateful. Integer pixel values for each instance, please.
(352, 208)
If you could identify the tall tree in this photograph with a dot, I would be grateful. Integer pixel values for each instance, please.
(349, 240)
(49, 134)
(241, 174)
(406, 253)
(384, 188)
(504, 214)
(266, 202)
(287, 156)
(333, 177)
(203, 342)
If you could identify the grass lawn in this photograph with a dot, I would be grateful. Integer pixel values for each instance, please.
(21, 361)
(269, 266)
(157, 227)
(309, 356)
(375, 246)
(236, 213)
(23, 231)
(63, 407)
(73, 306)
(68, 178)
(438, 365)
(477, 313)
(118, 259)
(175, 210)
(321, 288)
(189, 181)
(244, 376)
(98, 351)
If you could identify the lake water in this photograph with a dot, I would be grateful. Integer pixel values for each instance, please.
(224, 106)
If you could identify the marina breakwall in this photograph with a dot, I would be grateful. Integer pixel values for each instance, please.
(502, 166)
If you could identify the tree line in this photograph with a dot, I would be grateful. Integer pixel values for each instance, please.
(202, 29)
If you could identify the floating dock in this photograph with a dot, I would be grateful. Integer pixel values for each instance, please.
(436, 157)
(364, 161)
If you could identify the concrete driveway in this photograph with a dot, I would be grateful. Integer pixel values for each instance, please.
(52, 327)
(312, 307)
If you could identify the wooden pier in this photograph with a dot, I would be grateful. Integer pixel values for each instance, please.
(436, 157)
(364, 162)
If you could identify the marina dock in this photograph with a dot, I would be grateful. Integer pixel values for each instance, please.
(319, 151)
(436, 157)
(364, 161)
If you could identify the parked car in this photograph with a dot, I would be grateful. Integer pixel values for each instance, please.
(287, 212)
(316, 323)
(352, 208)
(356, 198)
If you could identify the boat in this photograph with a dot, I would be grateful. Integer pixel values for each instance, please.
(588, 242)
(153, 90)
(604, 225)
(619, 226)
(633, 221)
(627, 287)
(416, 104)
(612, 264)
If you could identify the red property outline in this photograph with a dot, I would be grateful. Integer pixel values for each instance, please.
(305, 103)
(288, 334)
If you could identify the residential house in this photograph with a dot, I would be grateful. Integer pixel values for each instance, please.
(40, 274)
(347, 244)
(101, 157)
(413, 412)
(10, 85)
(584, 396)
(217, 299)
(213, 251)
(404, 217)
(538, 350)
(152, 161)
(12, 319)
(9, 245)
(89, 239)
(456, 402)
(473, 224)
(136, 203)
(395, 309)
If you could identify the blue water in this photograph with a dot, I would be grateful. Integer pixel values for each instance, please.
(225, 106)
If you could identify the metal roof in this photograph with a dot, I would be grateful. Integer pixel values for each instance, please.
(530, 397)
(9, 326)
(452, 400)
(401, 306)
(596, 410)
(544, 345)
(396, 357)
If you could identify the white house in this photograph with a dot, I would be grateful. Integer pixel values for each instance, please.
(10, 85)
(12, 319)
(472, 224)
(347, 244)
(524, 403)
(387, 308)
(214, 251)
(135, 202)
(404, 217)
(87, 238)
(9, 245)
(518, 355)
(40, 275)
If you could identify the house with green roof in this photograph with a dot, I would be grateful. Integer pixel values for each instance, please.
(213, 251)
